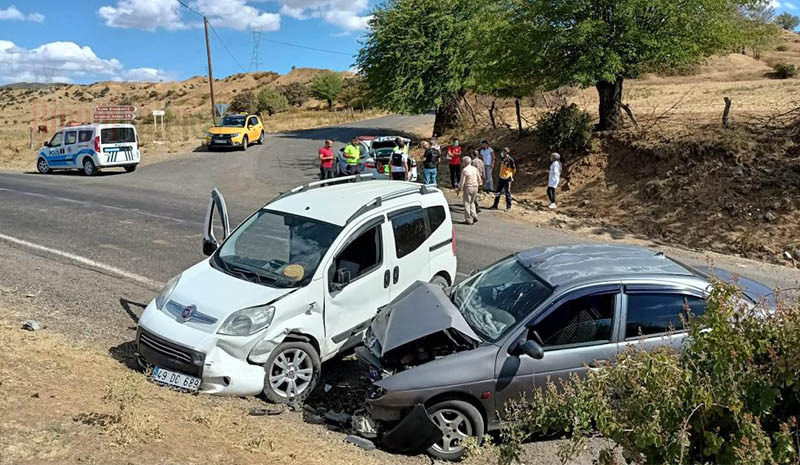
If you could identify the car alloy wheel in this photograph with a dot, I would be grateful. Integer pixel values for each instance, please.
(291, 373)
(42, 166)
(89, 168)
(244, 143)
(456, 428)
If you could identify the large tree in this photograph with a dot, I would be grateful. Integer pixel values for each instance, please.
(787, 21)
(600, 43)
(415, 57)
(327, 86)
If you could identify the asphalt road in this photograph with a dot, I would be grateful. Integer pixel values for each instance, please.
(96, 249)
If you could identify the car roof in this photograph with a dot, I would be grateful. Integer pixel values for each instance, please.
(565, 264)
(337, 203)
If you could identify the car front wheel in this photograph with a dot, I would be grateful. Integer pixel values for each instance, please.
(42, 166)
(292, 372)
(458, 420)
(244, 143)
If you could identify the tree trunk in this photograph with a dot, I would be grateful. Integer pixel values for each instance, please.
(610, 103)
(491, 116)
(330, 104)
(519, 116)
(447, 115)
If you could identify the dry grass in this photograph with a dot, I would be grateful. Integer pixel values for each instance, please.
(61, 403)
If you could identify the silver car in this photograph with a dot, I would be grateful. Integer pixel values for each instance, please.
(443, 366)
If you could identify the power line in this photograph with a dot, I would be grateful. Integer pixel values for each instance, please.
(226, 48)
(289, 44)
(190, 8)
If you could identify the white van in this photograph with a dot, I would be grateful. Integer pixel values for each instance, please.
(295, 284)
(90, 147)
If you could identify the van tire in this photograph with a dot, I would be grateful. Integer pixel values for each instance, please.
(290, 351)
(131, 168)
(440, 281)
(261, 138)
(470, 423)
(244, 143)
(89, 168)
(42, 166)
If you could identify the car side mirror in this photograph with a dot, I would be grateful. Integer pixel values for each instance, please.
(209, 247)
(528, 347)
(47, 143)
(342, 278)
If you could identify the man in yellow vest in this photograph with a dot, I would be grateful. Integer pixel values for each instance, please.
(352, 157)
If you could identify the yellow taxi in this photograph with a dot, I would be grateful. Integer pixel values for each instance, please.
(235, 131)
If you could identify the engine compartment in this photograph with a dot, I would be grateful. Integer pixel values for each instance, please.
(425, 349)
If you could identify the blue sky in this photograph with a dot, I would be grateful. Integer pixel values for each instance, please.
(85, 41)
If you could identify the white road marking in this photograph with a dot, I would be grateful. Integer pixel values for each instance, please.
(85, 261)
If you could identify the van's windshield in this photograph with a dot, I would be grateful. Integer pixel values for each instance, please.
(276, 249)
(117, 135)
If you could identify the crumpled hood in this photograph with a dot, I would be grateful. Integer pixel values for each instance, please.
(217, 294)
(421, 310)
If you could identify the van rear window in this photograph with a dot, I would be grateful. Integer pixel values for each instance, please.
(117, 135)
(84, 136)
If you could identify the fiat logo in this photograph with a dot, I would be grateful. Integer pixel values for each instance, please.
(187, 312)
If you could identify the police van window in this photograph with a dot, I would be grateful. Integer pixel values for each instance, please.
(409, 232)
(84, 136)
(57, 139)
(117, 135)
(71, 138)
(436, 217)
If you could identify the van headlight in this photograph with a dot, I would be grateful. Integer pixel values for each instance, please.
(248, 321)
(162, 298)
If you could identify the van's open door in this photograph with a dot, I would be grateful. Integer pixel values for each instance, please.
(217, 202)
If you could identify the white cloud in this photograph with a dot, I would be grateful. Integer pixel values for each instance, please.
(169, 14)
(143, 14)
(65, 62)
(237, 14)
(789, 5)
(347, 14)
(13, 14)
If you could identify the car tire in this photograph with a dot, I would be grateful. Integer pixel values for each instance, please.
(261, 138)
(42, 166)
(89, 168)
(130, 168)
(440, 281)
(282, 373)
(244, 143)
(458, 420)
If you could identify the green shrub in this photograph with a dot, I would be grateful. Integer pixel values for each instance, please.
(731, 396)
(784, 70)
(327, 86)
(272, 101)
(567, 128)
(782, 48)
(296, 93)
(245, 102)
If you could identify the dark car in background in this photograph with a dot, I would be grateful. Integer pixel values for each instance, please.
(444, 364)
(375, 155)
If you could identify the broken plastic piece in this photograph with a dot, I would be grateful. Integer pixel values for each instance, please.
(414, 433)
(363, 443)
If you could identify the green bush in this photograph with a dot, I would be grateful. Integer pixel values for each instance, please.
(784, 70)
(731, 396)
(355, 93)
(245, 102)
(567, 128)
(272, 101)
(327, 86)
(296, 93)
(782, 48)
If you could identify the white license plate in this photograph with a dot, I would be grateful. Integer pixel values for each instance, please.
(178, 380)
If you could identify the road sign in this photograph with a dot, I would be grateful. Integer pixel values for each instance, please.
(116, 108)
(114, 112)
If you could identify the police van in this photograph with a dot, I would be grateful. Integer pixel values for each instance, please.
(90, 147)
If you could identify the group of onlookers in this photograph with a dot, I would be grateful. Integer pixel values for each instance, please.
(468, 173)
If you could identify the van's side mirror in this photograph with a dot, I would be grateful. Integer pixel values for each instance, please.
(528, 347)
(209, 247)
(342, 278)
(47, 143)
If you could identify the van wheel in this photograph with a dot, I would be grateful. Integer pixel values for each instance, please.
(244, 143)
(131, 168)
(440, 281)
(292, 372)
(261, 138)
(89, 168)
(42, 166)
(458, 420)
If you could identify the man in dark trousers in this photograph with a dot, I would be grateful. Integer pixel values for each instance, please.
(454, 161)
(399, 162)
(326, 161)
(508, 168)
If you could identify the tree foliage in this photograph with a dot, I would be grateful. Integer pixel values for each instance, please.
(327, 86)
(244, 102)
(731, 396)
(787, 21)
(271, 100)
(757, 31)
(567, 128)
(355, 93)
(296, 93)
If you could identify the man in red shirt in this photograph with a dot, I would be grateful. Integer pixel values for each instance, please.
(326, 161)
(454, 161)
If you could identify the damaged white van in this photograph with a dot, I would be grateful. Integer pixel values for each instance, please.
(295, 284)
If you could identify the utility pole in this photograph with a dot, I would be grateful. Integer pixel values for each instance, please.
(210, 75)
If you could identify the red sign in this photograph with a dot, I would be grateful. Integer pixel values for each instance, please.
(114, 112)
(116, 108)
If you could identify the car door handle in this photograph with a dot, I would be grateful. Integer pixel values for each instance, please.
(387, 278)
(396, 274)
(597, 364)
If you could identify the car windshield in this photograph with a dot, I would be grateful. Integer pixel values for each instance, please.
(236, 121)
(494, 301)
(276, 249)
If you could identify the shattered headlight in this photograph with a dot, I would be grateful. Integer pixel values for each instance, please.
(248, 321)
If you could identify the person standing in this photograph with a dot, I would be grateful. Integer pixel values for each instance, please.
(477, 162)
(399, 162)
(554, 179)
(487, 154)
(430, 164)
(468, 184)
(326, 161)
(454, 162)
(352, 157)
(508, 168)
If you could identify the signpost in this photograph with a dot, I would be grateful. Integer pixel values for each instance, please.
(114, 113)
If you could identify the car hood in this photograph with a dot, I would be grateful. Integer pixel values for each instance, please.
(754, 290)
(421, 310)
(217, 295)
(225, 130)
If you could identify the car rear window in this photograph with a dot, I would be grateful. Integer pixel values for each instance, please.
(84, 136)
(117, 135)
(389, 144)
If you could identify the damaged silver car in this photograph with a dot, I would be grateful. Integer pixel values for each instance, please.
(444, 364)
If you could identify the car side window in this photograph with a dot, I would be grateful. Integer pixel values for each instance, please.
(362, 256)
(409, 231)
(658, 313)
(253, 121)
(436, 217)
(70, 138)
(57, 139)
(582, 320)
(84, 136)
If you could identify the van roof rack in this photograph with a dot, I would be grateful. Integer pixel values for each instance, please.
(423, 189)
(326, 182)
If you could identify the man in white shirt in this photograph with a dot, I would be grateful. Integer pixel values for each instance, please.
(487, 153)
(468, 184)
(554, 178)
